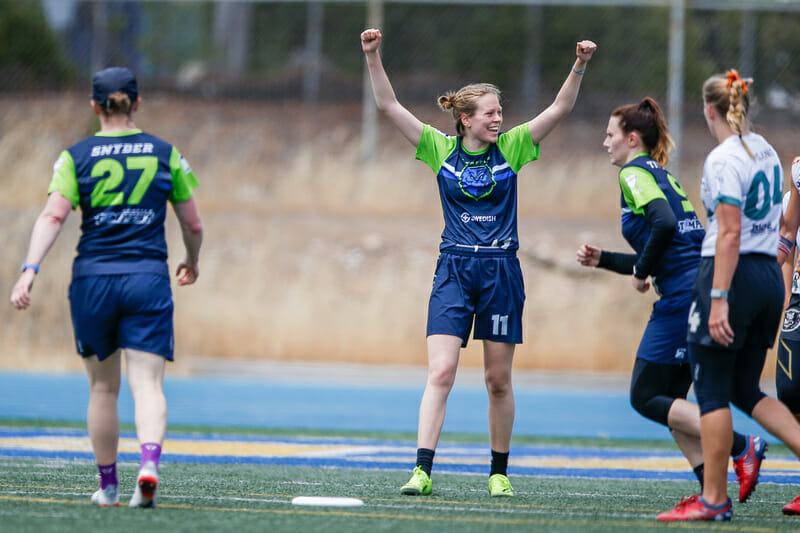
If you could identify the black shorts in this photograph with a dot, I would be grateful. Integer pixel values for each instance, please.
(731, 374)
(755, 298)
(787, 371)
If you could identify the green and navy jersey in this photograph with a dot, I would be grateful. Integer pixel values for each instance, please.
(478, 191)
(752, 183)
(122, 183)
(641, 181)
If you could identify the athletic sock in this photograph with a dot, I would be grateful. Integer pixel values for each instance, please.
(108, 475)
(699, 471)
(499, 463)
(739, 444)
(425, 459)
(150, 452)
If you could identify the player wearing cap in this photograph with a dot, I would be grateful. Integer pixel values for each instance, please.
(120, 295)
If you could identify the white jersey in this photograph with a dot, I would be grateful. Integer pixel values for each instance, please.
(796, 184)
(754, 184)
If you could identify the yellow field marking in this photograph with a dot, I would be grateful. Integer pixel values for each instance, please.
(187, 447)
(369, 453)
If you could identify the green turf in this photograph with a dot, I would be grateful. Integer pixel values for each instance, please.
(40, 495)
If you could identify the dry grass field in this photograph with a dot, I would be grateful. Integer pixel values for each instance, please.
(312, 254)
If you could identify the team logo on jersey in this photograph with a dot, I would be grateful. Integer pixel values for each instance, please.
(476, 181)
(791, 320)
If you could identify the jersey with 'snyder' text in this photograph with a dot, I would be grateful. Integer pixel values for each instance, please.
(478, 191)
(122, 182)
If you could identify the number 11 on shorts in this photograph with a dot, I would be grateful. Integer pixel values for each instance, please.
(499, 324)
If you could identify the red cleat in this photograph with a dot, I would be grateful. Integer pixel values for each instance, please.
(696, 508)
(748, 465)
(792, 508)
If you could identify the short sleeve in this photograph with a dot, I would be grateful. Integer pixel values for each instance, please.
(64, 180)
(517, 146)
(434, 147)
(639, 188)
(723, 182)
(183, 179)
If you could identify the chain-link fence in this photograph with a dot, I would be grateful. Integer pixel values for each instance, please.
(311, 251)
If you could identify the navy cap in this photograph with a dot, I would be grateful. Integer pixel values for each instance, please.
(112, 80)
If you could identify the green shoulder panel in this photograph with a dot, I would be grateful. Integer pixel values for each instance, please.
(517, 146)
(434, 147)
(183, 179)
(639, 188)
(64, 179)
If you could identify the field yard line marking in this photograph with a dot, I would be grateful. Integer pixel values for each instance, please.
(638, 523)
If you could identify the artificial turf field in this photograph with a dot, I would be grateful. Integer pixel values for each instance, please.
(47, 476)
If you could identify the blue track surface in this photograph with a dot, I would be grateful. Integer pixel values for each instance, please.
(229, 401)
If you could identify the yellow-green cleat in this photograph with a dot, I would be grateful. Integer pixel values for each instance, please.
(419, 484)
(500, 486)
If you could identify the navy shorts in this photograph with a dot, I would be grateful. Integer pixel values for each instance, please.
(122, 311)
(664, 339)
(486, 288)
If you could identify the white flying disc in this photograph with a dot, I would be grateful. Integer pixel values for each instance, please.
(329, 501)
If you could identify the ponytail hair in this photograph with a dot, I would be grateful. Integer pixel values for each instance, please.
(728, 95)
(465, 101)
(117, 103)
(648, 121)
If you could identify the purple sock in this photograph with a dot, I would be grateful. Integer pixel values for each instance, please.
(108, 475)
(151, 452)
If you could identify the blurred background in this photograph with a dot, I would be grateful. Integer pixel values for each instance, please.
(322, 230)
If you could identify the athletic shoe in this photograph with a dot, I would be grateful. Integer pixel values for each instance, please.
(696, 508)
(747, 466)
(107, 497)
(146, 483)
(792, 508)
(419, 484)
(500, 486)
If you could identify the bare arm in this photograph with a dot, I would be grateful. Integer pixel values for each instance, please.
(566, 97)
(725, 260)
(409, 125)
(192, 231)
(45, 232)
(790, 221)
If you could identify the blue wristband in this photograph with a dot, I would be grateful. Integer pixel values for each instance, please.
(581, 71)
(26, 266)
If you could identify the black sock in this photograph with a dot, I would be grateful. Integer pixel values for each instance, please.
(499, 463)
(425, 459)
(699, 471)
(739, 444)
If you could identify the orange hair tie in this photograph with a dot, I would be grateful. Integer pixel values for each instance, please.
(733, 76)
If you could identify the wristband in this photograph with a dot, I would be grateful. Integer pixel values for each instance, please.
(785, 245)
(719, 293)
(581, 71)
(26, 266)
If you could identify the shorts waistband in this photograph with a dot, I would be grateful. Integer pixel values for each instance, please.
(478, 251)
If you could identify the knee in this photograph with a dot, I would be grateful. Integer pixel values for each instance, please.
(498, 382)
(655, 408)
(442, 376)
(110, 387)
